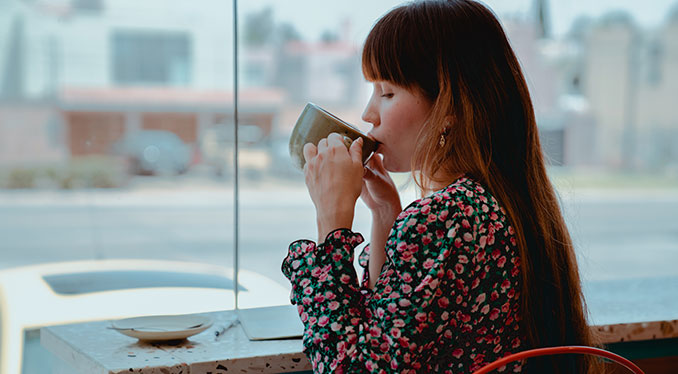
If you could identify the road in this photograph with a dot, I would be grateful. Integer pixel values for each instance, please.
(618, 234)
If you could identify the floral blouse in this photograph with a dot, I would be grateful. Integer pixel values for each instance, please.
(447, 299)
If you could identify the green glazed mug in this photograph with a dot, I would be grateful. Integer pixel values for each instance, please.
(316, 123)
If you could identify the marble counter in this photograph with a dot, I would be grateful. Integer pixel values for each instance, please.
(622, 311)
(93, 348)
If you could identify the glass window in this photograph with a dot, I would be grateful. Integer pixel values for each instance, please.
(118, 136)
(151, 58)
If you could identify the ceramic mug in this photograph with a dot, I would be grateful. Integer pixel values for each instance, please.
(316, 123)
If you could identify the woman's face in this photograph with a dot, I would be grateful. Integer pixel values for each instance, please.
(397, 114)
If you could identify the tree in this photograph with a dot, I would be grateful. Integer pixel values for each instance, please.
(259, 27)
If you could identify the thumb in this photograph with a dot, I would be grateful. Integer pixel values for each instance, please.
(356, 150)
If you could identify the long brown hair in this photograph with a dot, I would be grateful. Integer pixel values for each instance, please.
(457, 55)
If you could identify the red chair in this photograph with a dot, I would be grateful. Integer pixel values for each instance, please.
(559, 351)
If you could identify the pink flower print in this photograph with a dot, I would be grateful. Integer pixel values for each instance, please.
(421, 228)
(468, 237)
(414, 248)
(392, 308)
(318, 298)
(457, 243)
(428, 264)
(306, 301)
(426, 201)
(490, 238)
(334, 305)
(431, 218)
(443, 302)
(486, 309)
(462, 259)
(337, 257)
(404, 303)
(515, 271)
(494, 314)
(336, 326)
(485, 208)
(494, 295)
(501, 262)
(312, 320)
(401, 246)
(468, 210)
(459, 268)
(308, 290)
(483, 241)
(398, 323)
(505, 285)
(406, 256)
(406, 288)
(511, 293)
(323, 277)
(465, 224)
(394, 364)
(457, 353)
(505, 307)
(421, 317)
(443, 215)
(395, 332)
(475, 283)
(411, 222)
(426, 240)
(426, 209)
(452, 232)
(345, 279)
(329, 295)
(515, 343)
(481, 298)
(323, 321)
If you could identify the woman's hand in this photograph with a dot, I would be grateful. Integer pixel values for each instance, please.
(334, 181)
(378, 191)
(380, 195)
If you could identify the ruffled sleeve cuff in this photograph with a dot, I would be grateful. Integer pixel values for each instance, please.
(303, 255)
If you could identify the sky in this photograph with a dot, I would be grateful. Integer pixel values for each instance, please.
(312, 17)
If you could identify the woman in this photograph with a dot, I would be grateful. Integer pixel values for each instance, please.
(483, 265)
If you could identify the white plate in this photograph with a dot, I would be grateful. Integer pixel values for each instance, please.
(157, 328)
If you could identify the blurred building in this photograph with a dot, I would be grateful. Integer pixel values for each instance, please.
(100, 69)
(630, 77)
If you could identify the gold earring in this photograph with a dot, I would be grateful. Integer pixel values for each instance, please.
(441, 142)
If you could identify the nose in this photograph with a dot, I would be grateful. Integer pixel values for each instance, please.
(370, 114)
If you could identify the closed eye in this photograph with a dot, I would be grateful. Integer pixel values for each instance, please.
(387, 95)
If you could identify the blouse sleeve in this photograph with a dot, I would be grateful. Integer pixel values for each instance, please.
(350, 329)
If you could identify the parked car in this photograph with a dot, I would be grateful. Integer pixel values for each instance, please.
(217, 146)
(58, 293)
(152, 152)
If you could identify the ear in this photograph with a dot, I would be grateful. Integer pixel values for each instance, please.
(449, 121)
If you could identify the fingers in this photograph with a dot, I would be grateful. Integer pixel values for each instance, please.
(323, 145)
(356, 150)
(310, 151)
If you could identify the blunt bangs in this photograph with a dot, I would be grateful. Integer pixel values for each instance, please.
(397, 51)
(384, 49)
